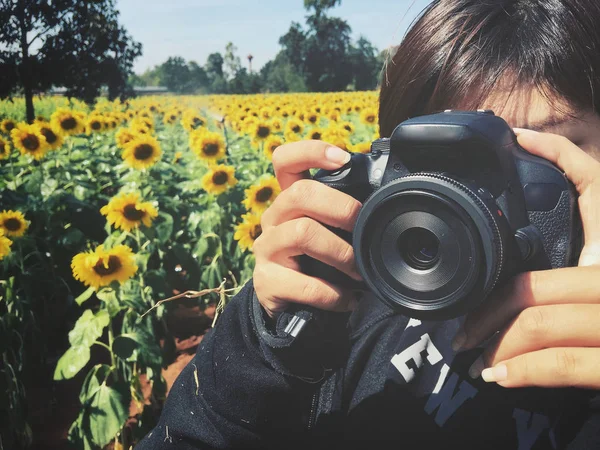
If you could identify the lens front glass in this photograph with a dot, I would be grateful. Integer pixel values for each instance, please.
(419, 248)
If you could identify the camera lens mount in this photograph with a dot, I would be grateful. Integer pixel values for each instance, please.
(427, 244)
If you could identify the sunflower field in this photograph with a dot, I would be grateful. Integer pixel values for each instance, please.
(107, 210)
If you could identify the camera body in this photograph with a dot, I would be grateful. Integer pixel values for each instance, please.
(452, 206)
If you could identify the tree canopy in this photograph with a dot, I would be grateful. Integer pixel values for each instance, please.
(76, 44)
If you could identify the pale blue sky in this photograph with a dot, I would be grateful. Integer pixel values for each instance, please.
(195, 28)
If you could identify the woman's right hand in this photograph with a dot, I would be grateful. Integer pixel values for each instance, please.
(294, 225)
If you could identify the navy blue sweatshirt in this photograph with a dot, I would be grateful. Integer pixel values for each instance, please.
(367, 379)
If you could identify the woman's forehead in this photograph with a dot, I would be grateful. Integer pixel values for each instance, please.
(527, 107)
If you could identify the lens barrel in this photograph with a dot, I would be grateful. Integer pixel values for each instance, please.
(428, 245)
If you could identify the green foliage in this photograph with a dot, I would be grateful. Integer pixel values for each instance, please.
(78, 45)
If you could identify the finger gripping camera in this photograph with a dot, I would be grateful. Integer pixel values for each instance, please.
(452, 207)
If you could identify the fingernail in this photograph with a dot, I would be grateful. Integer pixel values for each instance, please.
(459, 340)
(519, 131)
(476, 368)
(496, 373)
(337, 155)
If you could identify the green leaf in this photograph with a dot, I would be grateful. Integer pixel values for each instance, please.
(84, 295)
(93, 380)
(109, 297)
(164, 227)
(48, 187)
(88, 328)
(108, 411)
(79, 192)
(124, 346)
(72, 362)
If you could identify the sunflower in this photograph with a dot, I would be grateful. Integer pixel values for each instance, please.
(191, 121)
(53, 137)
(124, 136)
(13, 223)
(101, 267)
(334, 115)
(69, 122)
(277, 124)
(207, 145)
(4, 148)
(369, 116)
(142, 152)
(5, 244)
(361, 147)
(261, 195)
(348, 127)
(7, 125)
(219, 179)
(293, 129)
(29, 140)
(125, 211)
(248, 231)
(270, 145)
(96, 123)
(313, 118)
(316, 134)
(142, 125)
(171, 117)
(261, 131)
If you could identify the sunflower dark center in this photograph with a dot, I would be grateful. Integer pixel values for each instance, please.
(114, 264)
(263, 195)
(316, 135)
(347, 127)
(12, 224)
(263, 131)
(31, 142)
(370, 118)
(255, 232)
(312, 119)
(9, 126)
(143, 151)
(220, 178)
(96, 125)
(273, 147)
(173, 117)
(197, 122)
(68, 124)
(49, 135)
(132, 213)
(211, 149)
(296, 129)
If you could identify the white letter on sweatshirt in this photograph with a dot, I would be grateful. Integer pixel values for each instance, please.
(445, 399)
(528, 434)
(413, 353)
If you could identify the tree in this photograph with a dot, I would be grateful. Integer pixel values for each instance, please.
(175, 74)
(231, 61)
(366, 65)
(79, 45)
(279, 75)
(214, 71)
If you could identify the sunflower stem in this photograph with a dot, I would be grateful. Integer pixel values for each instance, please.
(113, 361)
(102, 344)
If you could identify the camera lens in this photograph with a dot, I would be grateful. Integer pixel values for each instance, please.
(428, 246)
(419, 248)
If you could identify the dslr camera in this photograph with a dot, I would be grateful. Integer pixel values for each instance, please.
(452, 207)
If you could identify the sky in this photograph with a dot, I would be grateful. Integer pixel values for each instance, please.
(194, 29)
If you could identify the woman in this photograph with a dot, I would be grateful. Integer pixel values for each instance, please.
(370, 376)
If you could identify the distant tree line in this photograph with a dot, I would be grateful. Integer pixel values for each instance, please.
(319, 57)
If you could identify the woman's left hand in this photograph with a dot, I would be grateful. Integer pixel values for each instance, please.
(548, 322)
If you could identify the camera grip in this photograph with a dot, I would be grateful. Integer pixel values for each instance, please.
(561, 236)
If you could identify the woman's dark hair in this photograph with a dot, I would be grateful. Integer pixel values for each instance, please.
(457, 51)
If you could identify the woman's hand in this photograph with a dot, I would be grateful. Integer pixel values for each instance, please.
(293, 226)
(548, 321)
